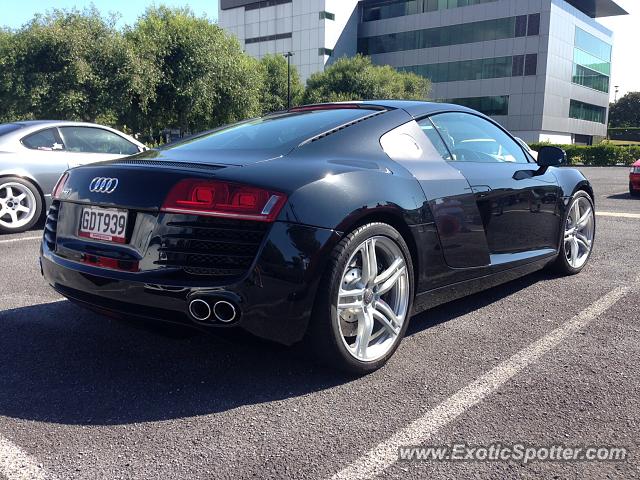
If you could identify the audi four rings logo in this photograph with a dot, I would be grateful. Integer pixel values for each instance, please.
(103, 185)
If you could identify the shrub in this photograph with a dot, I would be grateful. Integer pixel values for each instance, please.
(601, 155)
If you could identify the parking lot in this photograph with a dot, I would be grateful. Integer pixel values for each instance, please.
(543, 360)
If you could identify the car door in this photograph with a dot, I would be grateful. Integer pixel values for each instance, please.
(518, 201)
(93, 144)
(449, 197)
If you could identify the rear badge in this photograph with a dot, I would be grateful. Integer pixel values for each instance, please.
(103, 185)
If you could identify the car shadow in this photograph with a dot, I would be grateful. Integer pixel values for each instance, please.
(63, 364)
(622, 196)
(458, 308)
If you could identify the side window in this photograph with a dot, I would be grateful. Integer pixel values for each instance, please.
(473, 139)
(430, 131)
(46, 140)
(96, 140)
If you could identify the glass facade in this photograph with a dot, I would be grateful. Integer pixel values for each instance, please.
(479, 69)
(596, 47)
(488, 105)
(472, 32)
(589, 78)
(591, 61)
(586, 111)
(400, 8)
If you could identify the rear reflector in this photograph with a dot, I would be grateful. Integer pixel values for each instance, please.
(111, 263)
(224, 199)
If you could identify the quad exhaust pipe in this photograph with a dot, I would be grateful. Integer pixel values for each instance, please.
(212, 310)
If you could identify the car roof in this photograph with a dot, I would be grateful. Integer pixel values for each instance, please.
(418, 108)
(54, 123)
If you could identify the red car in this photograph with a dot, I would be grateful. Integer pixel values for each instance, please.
(634, 179)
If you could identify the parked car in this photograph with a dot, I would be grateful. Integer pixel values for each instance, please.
(329, 224)
(634, 179)
(33, 155)
(526, 146)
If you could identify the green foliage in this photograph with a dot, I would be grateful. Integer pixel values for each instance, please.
(274, 88)
(71, 65)
(7, 60)
(600, 155)
(626, 111)
(198, 77)
(358, 78)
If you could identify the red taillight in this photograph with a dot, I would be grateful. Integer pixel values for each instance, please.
(224, 199)
(62, 181)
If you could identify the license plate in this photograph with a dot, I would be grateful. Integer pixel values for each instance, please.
(107, 224)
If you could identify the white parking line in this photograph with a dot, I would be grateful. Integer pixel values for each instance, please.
(376, 460)
(13, 240)
(616, 214)
(15, 464)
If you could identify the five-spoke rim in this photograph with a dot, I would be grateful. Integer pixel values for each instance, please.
(17, 205)
(579, 232)
(373, 298)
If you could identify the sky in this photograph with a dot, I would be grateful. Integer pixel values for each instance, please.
(625, 69)
(21, 11)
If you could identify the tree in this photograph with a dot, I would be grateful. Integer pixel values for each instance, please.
(72, 65)
(7, 61)
(274, 89)
(357, 78)
(626, 111)
(199, 76)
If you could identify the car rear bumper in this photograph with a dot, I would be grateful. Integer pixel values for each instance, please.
(275, 298)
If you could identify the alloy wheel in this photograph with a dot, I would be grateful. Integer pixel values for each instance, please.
(17, 205)
(579, 232)
(373, 298)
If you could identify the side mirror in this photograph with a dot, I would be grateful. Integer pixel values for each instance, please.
(551, 157)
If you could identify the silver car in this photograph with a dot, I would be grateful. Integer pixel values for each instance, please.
(33, 155)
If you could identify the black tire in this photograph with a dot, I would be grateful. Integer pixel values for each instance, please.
(323, 337)
(561, 264)
(632, 191)
(38, 205)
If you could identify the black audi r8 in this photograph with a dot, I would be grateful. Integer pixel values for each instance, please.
(330, 224)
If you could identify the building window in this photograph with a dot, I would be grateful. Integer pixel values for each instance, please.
(398, 8)
(588, 112)
(327, 15)
(533, 26)
(590, 44)
(518, 66)
(521, 26)
(325, 51)
(494, 29)
(265, 4)
(590, 79)
(493, 106)
(266, 38)
(591, 62)
(479, 69)
(530, 64)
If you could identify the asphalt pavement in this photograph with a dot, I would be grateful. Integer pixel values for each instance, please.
(540, 361)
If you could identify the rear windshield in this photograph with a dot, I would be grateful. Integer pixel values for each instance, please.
(9, 127)
(276, 134)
